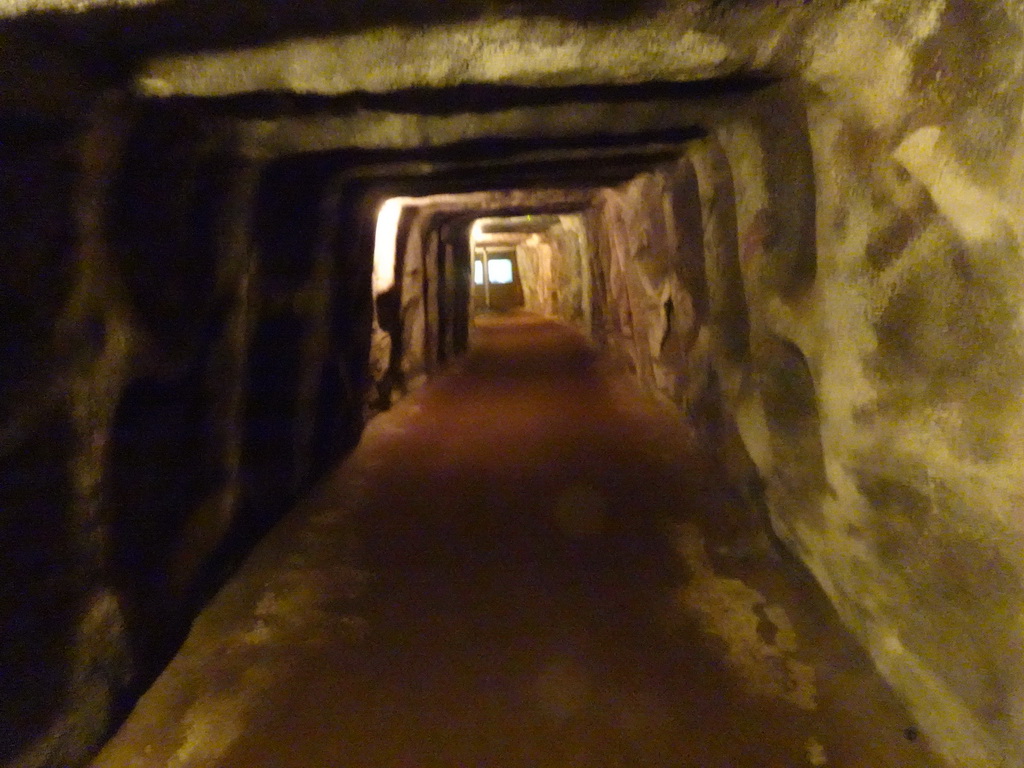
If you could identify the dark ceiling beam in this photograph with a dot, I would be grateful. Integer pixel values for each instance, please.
(466, 98)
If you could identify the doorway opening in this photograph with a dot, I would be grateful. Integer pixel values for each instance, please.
(497, 284)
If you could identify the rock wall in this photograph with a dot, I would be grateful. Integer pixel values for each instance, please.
(913, 340)
(172, 383)
(868, 341)
(858, 313)
(535, 256)
(854, 311)
(555, 267)
(407, 344)
(649, 302)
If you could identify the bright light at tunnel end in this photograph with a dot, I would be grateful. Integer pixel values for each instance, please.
(384, 243)
(499, 271)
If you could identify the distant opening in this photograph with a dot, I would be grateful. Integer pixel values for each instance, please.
(499, 271)
(540, 262)
(497, 284)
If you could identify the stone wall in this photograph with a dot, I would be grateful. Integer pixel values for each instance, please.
(856, 305)
(407, 344)
(555, 268)
(43, 608)
(913, 340)
(172, 383)
(649, 303)
(868, 341)
(858, 317)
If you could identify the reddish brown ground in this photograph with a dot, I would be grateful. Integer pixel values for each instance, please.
(526, 563)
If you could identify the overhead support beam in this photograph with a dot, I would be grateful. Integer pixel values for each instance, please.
(632, 122)
(540, 51)
(469, 98)
(508, 202)
(572, 169)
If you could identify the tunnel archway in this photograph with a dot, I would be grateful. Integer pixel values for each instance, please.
(782, 205)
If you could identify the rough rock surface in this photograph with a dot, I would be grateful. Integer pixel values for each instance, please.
(152, 427)
(555, 266)
(859, 324)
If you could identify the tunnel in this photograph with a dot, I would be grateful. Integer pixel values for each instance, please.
(401, 384)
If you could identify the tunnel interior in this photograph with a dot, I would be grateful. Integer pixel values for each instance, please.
(233, 235)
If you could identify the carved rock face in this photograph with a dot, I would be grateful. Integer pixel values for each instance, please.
(803, 229)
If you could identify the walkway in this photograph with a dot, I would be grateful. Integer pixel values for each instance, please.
(526, 563)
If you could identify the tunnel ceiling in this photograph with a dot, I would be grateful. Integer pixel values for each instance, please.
(552, 140)
(430, 64)
(574, 169)
(486, 165)
(566, 125)
(293, 82)
(313, 43)
(455, 211)
(151, 26)
(518, 224)
(468, 97)
(507, 51)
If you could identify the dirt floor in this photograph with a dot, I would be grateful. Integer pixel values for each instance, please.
(528, 562)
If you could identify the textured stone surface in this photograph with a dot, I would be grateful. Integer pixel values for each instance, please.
(912, 340)
(139, 372)
(555, 267)
(402, 129)
(861, 230)
(649, 314)
(494, 50)
(37, 177)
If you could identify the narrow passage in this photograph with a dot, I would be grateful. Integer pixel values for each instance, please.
(528, 562)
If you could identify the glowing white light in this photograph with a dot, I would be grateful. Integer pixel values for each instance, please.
(384, 244)
(499, 271)
(476, 230)
(478, 272)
